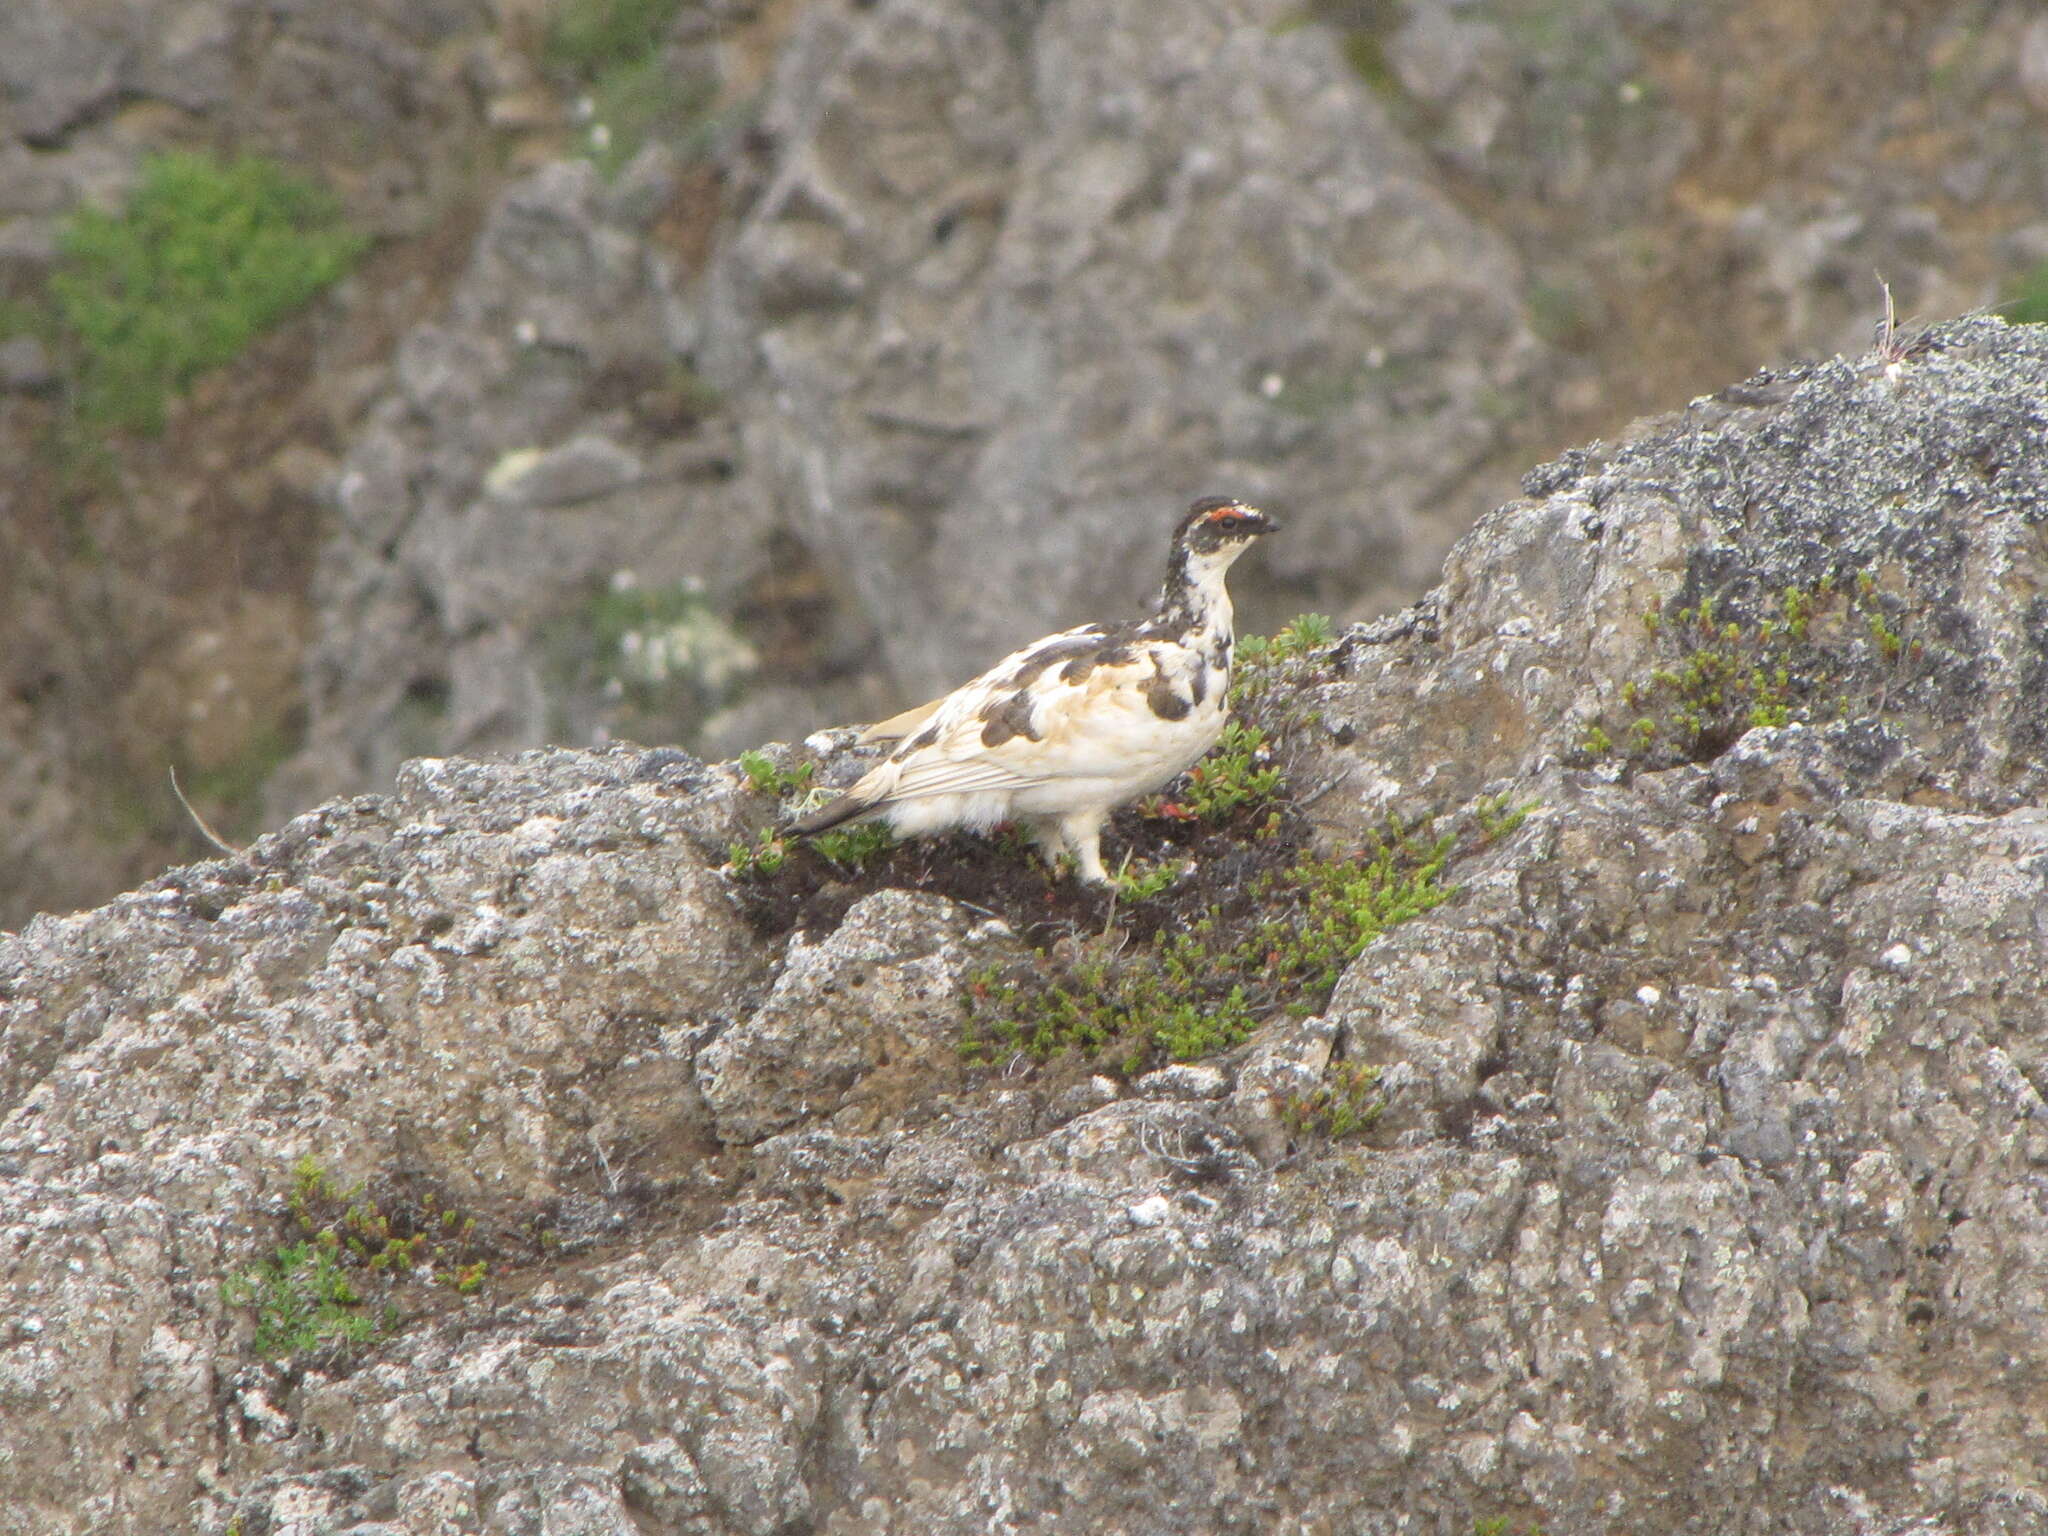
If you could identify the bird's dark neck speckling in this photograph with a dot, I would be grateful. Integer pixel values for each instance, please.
(1194, 600)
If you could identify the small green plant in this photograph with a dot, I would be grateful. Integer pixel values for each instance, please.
(756, 860)
(304, 1302)
(1237, 772)
(764, 778)
(1723, 675)
(1342, 1104)
(1143, 885)
(852, 847)
(1876, 620)
(332, 1286)
(206, 255)
(1272, 675)
(1499, 815)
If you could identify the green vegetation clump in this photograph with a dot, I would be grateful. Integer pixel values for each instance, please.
(851, 847)
(1143, 885)
(763, 857)
(585, 38)
(1267, 667)
(2029, 305)
(304, 1302)
(1342, 1104)
(611, 52)
(1238, 772)
(1205, 987)
(205, 256)
(1721, 675)
(333, 1286)
(764, 778)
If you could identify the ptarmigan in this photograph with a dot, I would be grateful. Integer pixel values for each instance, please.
(1059, 734)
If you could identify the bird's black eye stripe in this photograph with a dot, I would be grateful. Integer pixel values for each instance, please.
(1230, 524)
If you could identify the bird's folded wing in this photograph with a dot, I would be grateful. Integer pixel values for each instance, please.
(928, 774)
(1098, 725)
(896, 727)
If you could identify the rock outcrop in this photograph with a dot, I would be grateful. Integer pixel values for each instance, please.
(888, 343)
(1707, 1196)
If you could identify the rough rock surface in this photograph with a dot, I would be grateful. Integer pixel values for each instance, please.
(898, 344)
(993, 290)
(154, 599)
(1711, 1197)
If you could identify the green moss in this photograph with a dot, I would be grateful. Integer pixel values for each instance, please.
(1204, 987)
(1718, 673)
(333, 1286)
(205, 256)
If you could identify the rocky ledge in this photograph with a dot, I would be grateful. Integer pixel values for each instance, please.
(1703, 1187)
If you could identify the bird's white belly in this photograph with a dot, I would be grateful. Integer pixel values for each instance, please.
(1160, 751)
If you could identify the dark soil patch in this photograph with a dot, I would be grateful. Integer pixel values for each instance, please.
(1003, 876)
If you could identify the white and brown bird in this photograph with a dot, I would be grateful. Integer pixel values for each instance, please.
(1059, 734)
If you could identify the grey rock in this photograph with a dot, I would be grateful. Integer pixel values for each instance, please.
(582, 469)
(1704, 1200)
(459, 605)
(946, 310)
(25, 365)
(881, 992)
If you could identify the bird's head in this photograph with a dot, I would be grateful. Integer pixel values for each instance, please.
(1217, 529)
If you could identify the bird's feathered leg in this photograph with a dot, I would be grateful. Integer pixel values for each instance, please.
(1081, 831)
(1044, 832)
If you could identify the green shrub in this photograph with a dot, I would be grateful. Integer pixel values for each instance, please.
(303, 1302)
(587, 38)
(1204, 988)
(206, 256)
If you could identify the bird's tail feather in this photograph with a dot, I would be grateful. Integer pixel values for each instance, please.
(846, 808)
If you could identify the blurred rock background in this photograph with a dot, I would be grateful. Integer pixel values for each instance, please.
(712, 370)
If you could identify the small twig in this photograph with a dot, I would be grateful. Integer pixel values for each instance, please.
(199, 821)
(1889, 347)
(611, 1180)
(1116, 891)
